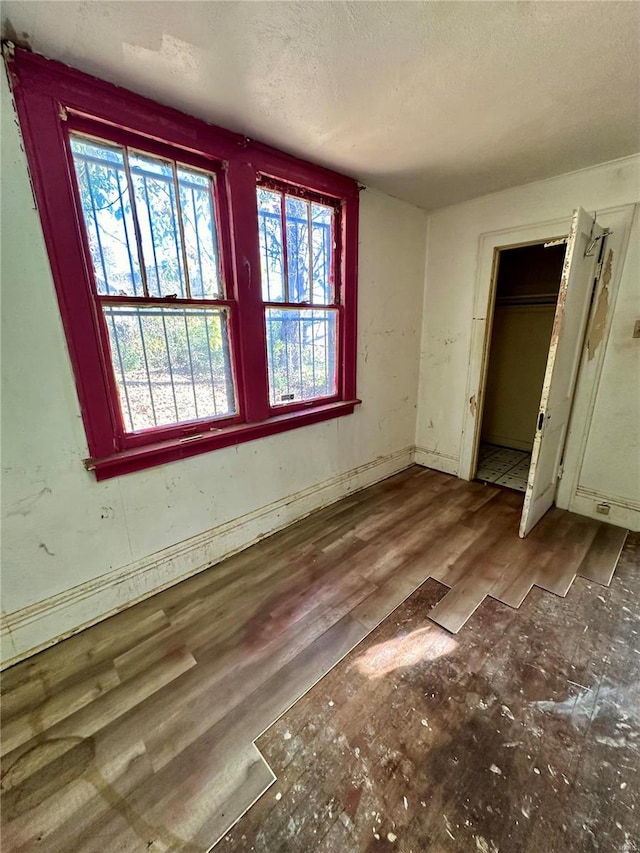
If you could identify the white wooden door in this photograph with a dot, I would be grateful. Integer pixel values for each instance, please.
(567, 339)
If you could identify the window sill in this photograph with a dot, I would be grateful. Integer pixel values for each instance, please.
(160, 453)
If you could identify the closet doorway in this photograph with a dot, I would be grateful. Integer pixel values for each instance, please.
(526, 294)
(583, 258)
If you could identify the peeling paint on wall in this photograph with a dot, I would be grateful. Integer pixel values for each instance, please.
(44, 482)
(175, 57)
(599, 319)
(473, 405)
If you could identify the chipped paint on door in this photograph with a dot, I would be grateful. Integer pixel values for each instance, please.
(567, 340)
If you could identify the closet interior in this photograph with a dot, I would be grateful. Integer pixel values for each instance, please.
(526, 293)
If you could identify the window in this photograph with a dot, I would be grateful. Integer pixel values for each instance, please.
(207, 283)
(153, 242)
(297, 239)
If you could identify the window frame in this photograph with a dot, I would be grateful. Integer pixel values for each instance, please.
(81, 126)
(337, 277)
(52, 101)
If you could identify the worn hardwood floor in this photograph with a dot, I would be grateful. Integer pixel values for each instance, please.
(519, 735)
(138, 733)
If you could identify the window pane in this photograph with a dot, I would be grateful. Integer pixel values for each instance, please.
(321, 226)
(201, 239)
(301, 349)
(302, 260)
(109, 221)
(271, 254)
(159, 228)
(297, 220)
(106, 206)
(170, 364)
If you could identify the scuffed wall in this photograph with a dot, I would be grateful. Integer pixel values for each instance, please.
(602, 459)
(611, 466)
(73, 548)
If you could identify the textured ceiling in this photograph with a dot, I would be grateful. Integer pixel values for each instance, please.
(432, 102)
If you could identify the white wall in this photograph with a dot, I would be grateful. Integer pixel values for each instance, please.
(74, 549)
(602, 461)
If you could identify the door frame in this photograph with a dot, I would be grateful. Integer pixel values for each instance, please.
(490, 245)
(619, 220)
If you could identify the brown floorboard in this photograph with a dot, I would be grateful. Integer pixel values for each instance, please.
(521, 733)
(597, 564)
(138, 733)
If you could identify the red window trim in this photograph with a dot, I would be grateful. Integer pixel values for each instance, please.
(98, 130)
(159, 453)
(51, 98)
(337, 277)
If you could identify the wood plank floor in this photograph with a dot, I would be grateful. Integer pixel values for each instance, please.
(519, 735)
(138, 733)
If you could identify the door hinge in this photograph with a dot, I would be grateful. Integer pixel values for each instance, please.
(560, 470)
(593, 241)
(599, 270)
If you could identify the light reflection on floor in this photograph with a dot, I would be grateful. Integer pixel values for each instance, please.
(423, 644)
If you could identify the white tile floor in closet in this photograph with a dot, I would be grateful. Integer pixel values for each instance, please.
(503, 466)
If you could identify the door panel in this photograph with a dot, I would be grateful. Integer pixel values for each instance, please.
(565, 351)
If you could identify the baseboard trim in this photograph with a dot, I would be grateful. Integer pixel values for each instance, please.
(624, 512)
(27, 631)
(437, 460)
(506, 441)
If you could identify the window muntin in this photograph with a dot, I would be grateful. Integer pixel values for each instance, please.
(152, 236)
(301, 351)
(171, 363)
(323, 246)
(200, 233)
(176, 241)
(298, 271)
(271, 249)
(285, 266)
(108, 218)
